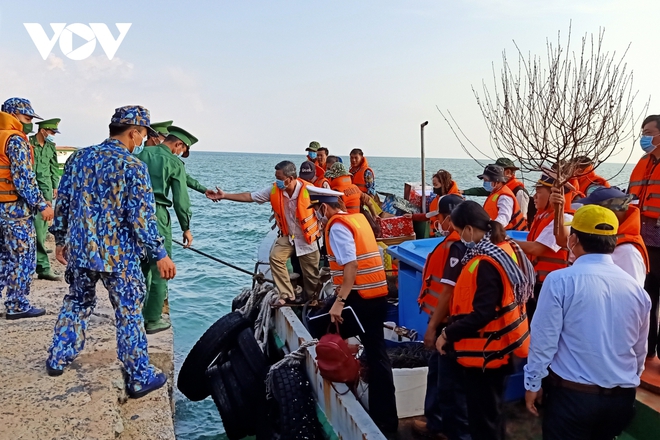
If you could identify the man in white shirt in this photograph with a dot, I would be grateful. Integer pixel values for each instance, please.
(630, 253)
(299, 229)
(588, 341)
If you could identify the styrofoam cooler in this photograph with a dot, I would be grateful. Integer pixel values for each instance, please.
(410, 385)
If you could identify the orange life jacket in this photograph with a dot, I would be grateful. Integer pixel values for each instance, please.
(517, 222)
(304, 214)
(370, 281)
(351, 192)
(645, 184)
(588, 178)
(432, 275)
(319, 182)
(549, 260)
(358, 174)
(515, 185)
(9, 126)
(508, 333)
(630, 232)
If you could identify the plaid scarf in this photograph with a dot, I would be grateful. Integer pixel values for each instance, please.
(520, 275)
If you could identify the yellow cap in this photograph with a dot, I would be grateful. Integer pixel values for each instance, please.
(594, 219)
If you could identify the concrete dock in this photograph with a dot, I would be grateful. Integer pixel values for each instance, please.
(89, 400)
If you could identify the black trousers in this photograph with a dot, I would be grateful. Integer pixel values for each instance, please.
(652, 287)
(382, 403)
(575, 415)
(484, 391)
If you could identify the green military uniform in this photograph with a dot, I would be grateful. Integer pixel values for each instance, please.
(192, 183)
(167, 173)
(46, 169)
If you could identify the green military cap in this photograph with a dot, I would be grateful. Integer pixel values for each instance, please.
(184, 137)
(162, 127)
(50, 124)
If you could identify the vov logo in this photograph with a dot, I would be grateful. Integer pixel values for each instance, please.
(64, 33)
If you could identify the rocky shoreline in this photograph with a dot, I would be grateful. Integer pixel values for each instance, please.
(89, 400)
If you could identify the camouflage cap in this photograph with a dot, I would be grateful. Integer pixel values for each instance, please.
(506, 163)
(313, 146)
(337, 170)
(133, 115)
(50, 124)
(19, 105)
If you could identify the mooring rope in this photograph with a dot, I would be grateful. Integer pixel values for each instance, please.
(257, 276)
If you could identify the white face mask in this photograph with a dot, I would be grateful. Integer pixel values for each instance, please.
(322, 218)
(137, 149)
(571, 254)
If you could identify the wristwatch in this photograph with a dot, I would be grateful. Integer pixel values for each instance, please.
(340, 299)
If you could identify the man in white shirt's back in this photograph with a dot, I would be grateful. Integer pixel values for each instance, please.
(588, 337)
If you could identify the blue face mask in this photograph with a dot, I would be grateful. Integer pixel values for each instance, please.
(468, 244)
(50, 138)
(646, 142)
(280, 184)
(312, 154)
(488, 186)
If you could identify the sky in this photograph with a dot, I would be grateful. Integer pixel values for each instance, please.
(271, 76)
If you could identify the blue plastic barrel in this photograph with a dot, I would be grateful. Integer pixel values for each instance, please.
(412, 257)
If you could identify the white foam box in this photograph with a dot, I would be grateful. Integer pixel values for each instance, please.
(410, 384)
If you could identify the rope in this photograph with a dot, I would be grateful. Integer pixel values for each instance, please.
(292, 359)
(257, 276)
(262, 324)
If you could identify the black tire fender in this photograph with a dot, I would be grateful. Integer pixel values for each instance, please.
(253, 355)
(219, 338)
(253, 387)
(291, 408)
(222, 401)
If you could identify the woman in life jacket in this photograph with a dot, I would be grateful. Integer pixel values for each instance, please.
(442, 185)
(488, 324)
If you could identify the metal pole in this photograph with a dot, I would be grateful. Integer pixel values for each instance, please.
(424, 124)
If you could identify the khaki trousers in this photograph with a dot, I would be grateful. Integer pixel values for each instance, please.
(281, 252)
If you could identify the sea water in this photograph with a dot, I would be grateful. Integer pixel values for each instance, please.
(203, 290)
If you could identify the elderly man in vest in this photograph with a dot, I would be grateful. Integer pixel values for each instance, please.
(588, 337)
(360, 282)
(645, 186)
(501, 204)
(363, 175)
(299, 229)
(20, 200)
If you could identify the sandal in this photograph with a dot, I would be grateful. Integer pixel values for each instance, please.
(286, 302)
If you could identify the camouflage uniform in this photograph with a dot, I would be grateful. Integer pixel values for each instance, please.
(104, 224)
(17, 236)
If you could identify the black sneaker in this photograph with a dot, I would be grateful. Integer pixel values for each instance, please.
(32, 313)
(54, 372)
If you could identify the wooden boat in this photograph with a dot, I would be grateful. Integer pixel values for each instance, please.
(350, 420)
